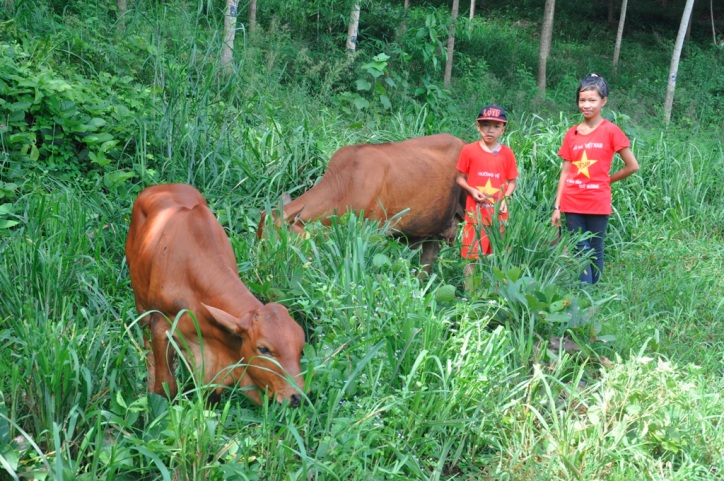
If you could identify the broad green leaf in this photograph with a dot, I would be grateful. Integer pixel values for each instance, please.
(6, 224)
(363, 84)
(386, 101)
(19, 106)
(361, 103)
(34, 152)
(97, 138)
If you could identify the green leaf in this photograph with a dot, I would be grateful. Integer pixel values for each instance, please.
(559, 305)
(108, 145)
(386, 101)
(99, 158)
(363, 84)
(360, 103)
(94, 123)
(34, 152)
(111, 179)
(97, 138)
(21, 106)
(6, 224)
(58, 85)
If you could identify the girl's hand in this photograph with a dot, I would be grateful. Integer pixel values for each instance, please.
(556, 218)
(503, 207)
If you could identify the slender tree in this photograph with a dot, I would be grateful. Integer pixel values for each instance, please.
(122, 6)
(673, 71)
(403, 24)
(252, 15)
(472, 15)
(353, 29)
(227, 48)
(713, 28)
(451, 44)
(619, 34)
(545, 44)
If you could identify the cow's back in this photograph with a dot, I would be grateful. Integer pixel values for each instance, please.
(385, 179)
(170, 226)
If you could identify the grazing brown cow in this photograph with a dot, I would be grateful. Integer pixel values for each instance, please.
(179, 257)
(384, 180)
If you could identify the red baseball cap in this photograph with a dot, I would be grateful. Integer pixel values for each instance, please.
(493, 112)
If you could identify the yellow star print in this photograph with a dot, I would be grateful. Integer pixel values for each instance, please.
(488, 189)
(584, 164)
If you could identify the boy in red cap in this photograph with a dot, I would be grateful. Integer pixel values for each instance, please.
(488, 173)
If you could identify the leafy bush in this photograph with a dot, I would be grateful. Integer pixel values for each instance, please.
(68, 127)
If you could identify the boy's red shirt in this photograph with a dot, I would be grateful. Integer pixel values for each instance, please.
(487, 171)
(490, 173)
(587, 189)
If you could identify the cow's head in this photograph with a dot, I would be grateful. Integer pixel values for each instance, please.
(272, 344)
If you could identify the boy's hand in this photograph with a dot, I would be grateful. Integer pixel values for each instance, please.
(503, 207)
(477, 195)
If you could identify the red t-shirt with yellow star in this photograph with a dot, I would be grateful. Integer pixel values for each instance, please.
(587, 189)
(489, 173)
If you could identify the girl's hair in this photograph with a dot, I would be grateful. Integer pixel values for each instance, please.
(593, 81)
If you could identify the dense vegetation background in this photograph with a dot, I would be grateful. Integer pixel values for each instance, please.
(410, 377)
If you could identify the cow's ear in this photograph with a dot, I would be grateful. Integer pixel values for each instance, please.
(237, 325)
(291, 216)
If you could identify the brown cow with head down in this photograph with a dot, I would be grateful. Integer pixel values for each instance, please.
(383, 180)
(180, 258)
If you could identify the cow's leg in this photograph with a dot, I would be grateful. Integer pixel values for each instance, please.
(150, 361)
(430, 249)
(161, 357)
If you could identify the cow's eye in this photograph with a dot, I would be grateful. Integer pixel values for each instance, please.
(264, 351)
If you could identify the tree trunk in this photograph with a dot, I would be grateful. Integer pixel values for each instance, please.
(713, 28)
(451, 45)
(353, 29)
(227, 48)
(545, 44)
(252, 16)
(403, 24)
(673, 71)
(472, 15)
(122, 8)
(619, 35)
(611, 9)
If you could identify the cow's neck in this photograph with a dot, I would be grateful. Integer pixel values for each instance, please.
(235, 298)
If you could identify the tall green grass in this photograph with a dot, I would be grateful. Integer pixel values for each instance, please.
(404, 383)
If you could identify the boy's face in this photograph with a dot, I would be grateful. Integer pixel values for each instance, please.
(490, 131)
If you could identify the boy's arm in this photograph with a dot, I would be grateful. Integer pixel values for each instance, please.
(472, 191)
(512, 183)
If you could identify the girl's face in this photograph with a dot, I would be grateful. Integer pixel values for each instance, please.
(590, 103)
(490, 131)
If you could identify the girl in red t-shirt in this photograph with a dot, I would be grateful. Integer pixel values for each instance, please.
(584, 188)
(487, 172)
